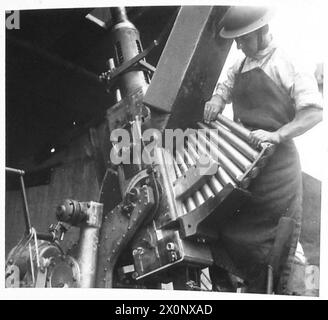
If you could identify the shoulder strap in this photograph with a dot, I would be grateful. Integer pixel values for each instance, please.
(242, 65)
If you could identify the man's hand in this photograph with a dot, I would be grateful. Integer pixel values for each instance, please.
(213, 107)
(258, 136)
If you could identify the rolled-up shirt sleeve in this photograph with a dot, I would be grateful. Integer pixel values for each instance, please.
(300, 83)
(224, 88)
(305, 91)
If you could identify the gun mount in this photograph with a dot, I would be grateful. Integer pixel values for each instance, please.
(157, 216)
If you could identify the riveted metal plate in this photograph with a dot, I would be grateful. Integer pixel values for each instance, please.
(117, 230)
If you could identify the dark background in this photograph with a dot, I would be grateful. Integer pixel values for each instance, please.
(52, 64)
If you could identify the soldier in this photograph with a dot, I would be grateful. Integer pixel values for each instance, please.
(277, 101)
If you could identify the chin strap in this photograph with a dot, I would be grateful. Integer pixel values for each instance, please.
(260, 45)
(261, 40)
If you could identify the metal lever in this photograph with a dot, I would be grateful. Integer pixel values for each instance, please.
(27, 219)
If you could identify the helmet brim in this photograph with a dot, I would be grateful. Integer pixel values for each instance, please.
(235, 33)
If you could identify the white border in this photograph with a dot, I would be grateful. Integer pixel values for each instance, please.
(114, 294)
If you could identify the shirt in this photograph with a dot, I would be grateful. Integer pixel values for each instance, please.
(297, 82)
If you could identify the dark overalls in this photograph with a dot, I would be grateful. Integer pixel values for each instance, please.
(247, 237)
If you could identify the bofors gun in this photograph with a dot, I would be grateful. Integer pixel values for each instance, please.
(158, 215)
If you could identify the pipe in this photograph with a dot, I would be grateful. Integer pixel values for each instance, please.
(230, 151)
(226, 163)
(126, 40)
(205, 190)
(27, 219)
(197, 197)
(237, 142)
(189, 203)
(215, 184)
(234, 127)
(224, 177)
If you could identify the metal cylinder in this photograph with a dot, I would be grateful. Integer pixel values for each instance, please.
(180, 160)
(87, 256)
(177, 169)
(244, 133)
(228, 165)
(72, 211)
(127, 44)
(197, 197)
(224, 178)
(234, 127)
(190, 161)
(205, 190)
(230, 151)
(215, 185)
(189, 203)
(88, 245)
(237, 142)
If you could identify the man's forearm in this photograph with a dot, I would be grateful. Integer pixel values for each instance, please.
(304, 120)
(218, 99)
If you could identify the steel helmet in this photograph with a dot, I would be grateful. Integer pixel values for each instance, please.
(240, 20)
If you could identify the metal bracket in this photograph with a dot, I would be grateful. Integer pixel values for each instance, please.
(192, 180)
(110, 75)
(120, 115)
(203, 221)
(117, 230)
